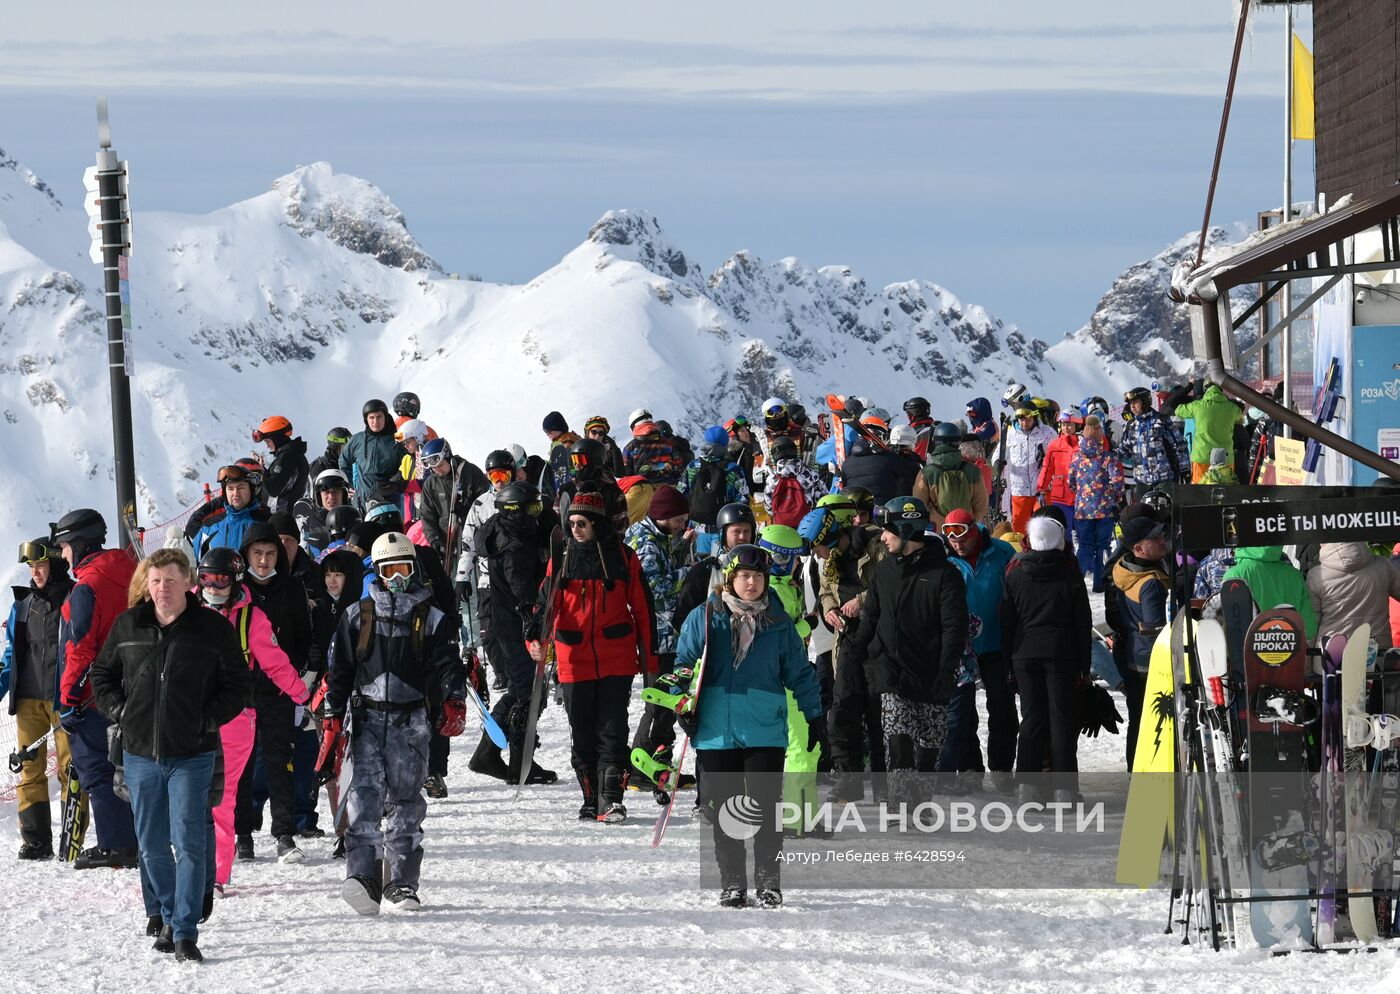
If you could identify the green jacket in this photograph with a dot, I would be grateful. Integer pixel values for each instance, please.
(1273, 582)
(1216, 416)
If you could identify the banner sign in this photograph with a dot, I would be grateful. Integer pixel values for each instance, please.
(1357, 519)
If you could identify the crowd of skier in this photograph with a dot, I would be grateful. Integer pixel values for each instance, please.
(849, 580)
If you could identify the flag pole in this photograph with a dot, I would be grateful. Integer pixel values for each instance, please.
(1285, 301)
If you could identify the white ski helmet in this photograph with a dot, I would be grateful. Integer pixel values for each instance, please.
(414, 429)
(393, 547)
(773, 407)
(904, 436)
(518, 451)
(640, 414)
(331, 479)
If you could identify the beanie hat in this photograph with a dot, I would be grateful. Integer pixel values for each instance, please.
(959, 516)
(597, 421)
(667, 502)
(1219, 457)
(715, 435)
(285, 524)
(1092, 421)
(554, 421)
(589, 504)
(1045, 534)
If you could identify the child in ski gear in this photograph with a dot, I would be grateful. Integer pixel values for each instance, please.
(1054, 483)
(29, 672)
(170, 674)
(395, 669)
(102, 578)
(753, 655)
(711, 482)
(1221, 471)
(1096, 479)
(602, 636)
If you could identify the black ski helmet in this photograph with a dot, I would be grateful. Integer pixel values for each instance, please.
(734, 514)
(224, 561)
(1138, 393)
(917, 407)
(500, 459)
(81, 528)
(339, 520)
(588, 456)
(797, 414)
(338, 437)
(861, 499)
(783, 447)
(517, 497)
(407, 404)
(947, 431)
(371, 406)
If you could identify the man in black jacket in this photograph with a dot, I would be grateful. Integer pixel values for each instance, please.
(395, 668)
(515, 544)
(30, 675)
(284, 600)
(450, 487)
(913, 630)
(884, 473)
(170, 674)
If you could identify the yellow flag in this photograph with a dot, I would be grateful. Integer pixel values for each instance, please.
(1302, 92)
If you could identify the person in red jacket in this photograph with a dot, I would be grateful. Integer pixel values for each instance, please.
(1054, 481)
(604, 635)
(100, 594)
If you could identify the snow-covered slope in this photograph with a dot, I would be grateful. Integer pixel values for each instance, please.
(313, 297)
(1137, 334)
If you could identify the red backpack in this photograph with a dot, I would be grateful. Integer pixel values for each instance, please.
(789, 503)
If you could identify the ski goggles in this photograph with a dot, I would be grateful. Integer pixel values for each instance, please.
(578, 460)
(33, 552)
(335, 439)
(499, 475)
(534, 508)
(956, 529)
(435, 459)
(395, 567)
(215, 581)
(747, 557)
(781, 560)
(774, 410)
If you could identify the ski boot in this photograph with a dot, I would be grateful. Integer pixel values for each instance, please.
(288, 851)
(615, 814)
(435, 787)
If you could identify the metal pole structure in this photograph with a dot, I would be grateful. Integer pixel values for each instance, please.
(1286, 299)
(114, 245)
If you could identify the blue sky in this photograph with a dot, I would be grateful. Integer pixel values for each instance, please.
(1021, 155)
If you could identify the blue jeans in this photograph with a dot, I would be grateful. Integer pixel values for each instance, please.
(170, 802)
(1094, 539)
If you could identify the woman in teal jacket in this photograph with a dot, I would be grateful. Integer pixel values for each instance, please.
(740, 722)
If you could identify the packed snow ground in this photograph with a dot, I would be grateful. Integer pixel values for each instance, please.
(523, 898)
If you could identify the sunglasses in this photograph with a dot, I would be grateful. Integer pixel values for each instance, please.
(33, 552)
(600, 432)
(435, 459)
(956, 529)
(215, 581)
(499, 475)
(577, 523)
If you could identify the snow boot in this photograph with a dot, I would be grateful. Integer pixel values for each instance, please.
(733, 897)
(770, 897)
(435, 787)
(588, 811)
(186, 951)
(487, 760)
(401, 897)
(165, 941)
(615, 814)
(362, 894)
(35, 850)
(339, 851)
(245, 849)
(153, 925)
(288, 851)
(97, 857)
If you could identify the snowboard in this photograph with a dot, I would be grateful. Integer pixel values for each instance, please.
(1237, 610)
(1386, 787)
(1331, 788)
(1275, 665)
(345, 774)
(1147, 820)
(532, 720)
(686, 705)
(489, 724)
(1362, 910)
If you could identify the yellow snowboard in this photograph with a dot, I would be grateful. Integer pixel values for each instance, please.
(1147, 822)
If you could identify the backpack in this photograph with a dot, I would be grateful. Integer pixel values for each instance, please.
(950, 488)
(707, 492)
(789, 503)
(417, 625)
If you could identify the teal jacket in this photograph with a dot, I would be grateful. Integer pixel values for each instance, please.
(745, 707)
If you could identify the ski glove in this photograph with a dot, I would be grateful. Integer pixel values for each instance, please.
(453, 720)
(816, 734)
(689, 722)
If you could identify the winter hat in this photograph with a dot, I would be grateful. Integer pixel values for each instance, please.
(285, 524)
(1045, 534)
(590, 505)
(554, 421)
(667, 502)
(597, 421)
(1092, 421)
(1219, 457)
(715, 435)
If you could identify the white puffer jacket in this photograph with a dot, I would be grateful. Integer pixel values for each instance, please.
(1025, 451)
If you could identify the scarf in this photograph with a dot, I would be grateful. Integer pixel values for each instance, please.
(747, 619)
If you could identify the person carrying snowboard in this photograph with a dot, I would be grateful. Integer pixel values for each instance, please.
(395, 670)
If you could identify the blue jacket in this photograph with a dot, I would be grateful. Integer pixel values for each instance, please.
(1159, 452)
(984, 587)
(225, 527)
(745, 707)
(826, 451)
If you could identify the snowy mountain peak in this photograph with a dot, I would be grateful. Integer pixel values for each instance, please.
(636, 236)
(352, 213)
(26, 175)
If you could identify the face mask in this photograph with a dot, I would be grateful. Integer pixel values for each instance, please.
(214, 597)
(397, 584)
(262, 576)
